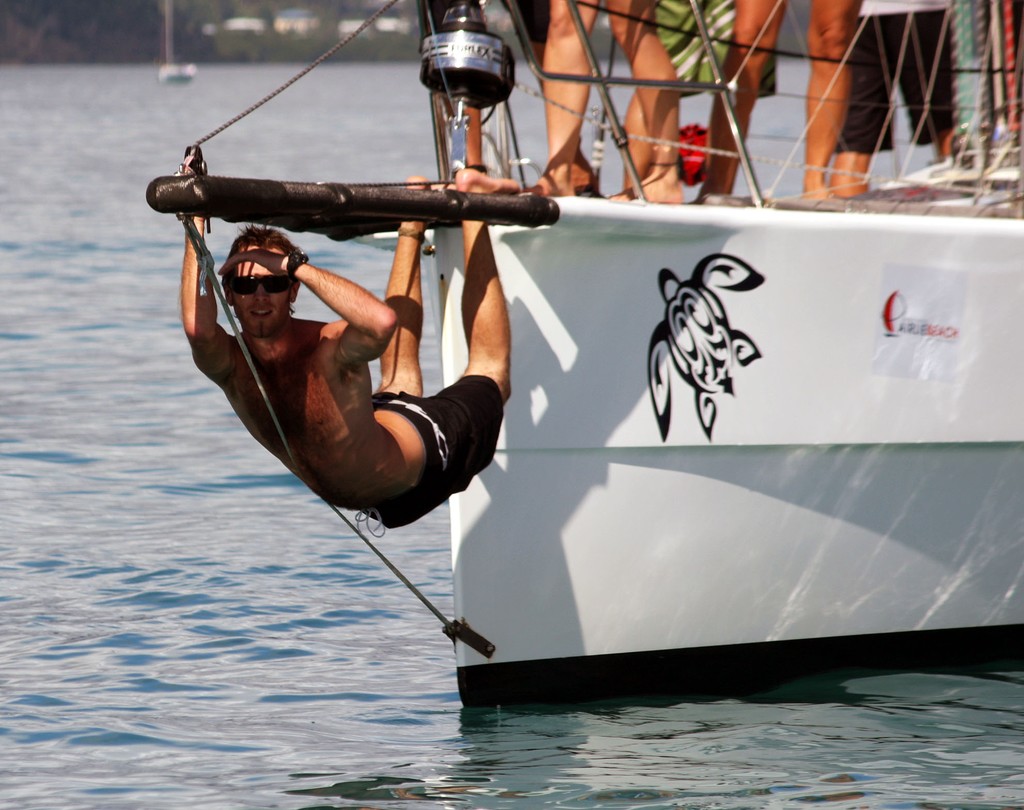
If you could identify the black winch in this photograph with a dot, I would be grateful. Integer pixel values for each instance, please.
(465, 62)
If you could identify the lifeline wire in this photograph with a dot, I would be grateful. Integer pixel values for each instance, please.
(205, 261)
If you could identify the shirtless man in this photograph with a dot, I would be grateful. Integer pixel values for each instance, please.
(393, 451)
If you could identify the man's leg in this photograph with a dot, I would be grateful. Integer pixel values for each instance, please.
(637, 35)
(832, 28)
(400, 362)
(848, 178)
(567, 100)
(866, 129)
(755, 33)
(484, 313)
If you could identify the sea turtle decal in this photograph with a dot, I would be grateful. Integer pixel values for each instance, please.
(696, 337)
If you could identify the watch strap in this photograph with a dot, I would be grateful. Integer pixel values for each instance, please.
(295, 260)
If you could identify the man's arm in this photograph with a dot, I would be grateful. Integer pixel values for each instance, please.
(211, 346)
(370, 322)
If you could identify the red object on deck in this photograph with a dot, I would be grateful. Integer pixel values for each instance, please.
(692, 160)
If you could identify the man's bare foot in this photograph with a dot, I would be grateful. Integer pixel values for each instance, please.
(544, 187)
(584, 181)
(576, 179)
(665, 189)
(478, 182)
(815, 187)
(415, 181)
(554, 183)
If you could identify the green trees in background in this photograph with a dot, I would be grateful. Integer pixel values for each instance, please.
(125, 31)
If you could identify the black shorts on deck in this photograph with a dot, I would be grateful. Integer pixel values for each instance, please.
(875, 55)
(459, 426)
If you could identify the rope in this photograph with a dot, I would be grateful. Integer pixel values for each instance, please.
(206, 272)
(323, 58)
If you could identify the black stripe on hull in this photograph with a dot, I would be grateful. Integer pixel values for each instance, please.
(731, 670)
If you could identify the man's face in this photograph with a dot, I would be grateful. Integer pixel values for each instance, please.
(262, 313)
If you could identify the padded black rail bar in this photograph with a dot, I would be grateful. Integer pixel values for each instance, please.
(339, 211)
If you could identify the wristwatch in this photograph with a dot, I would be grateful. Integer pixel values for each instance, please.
(295, 260)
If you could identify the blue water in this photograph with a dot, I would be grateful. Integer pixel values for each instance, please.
(186, 626)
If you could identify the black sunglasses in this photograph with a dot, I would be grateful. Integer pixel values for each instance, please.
(246, 285)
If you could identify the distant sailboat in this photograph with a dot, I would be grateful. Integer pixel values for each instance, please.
(171, 71)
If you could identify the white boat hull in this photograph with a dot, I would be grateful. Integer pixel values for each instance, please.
(862, 477)
(176, 73)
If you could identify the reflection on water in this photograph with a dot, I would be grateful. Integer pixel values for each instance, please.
(858, 739)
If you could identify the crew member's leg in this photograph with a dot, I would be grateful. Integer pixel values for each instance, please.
(568, 100)
(584, 180)
(400, 362)
(637, 35)
(755, 32)
(832, 28)
(926, 80)
(867, 128)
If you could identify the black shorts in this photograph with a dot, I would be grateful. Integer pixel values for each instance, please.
(459, 426)
(874, 58)
(536, 16)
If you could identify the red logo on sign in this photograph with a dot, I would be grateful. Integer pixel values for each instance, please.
(896, 323)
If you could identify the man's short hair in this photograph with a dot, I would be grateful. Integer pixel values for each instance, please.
(257, 236)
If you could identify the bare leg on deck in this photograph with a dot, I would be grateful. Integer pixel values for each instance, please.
(832, 28)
